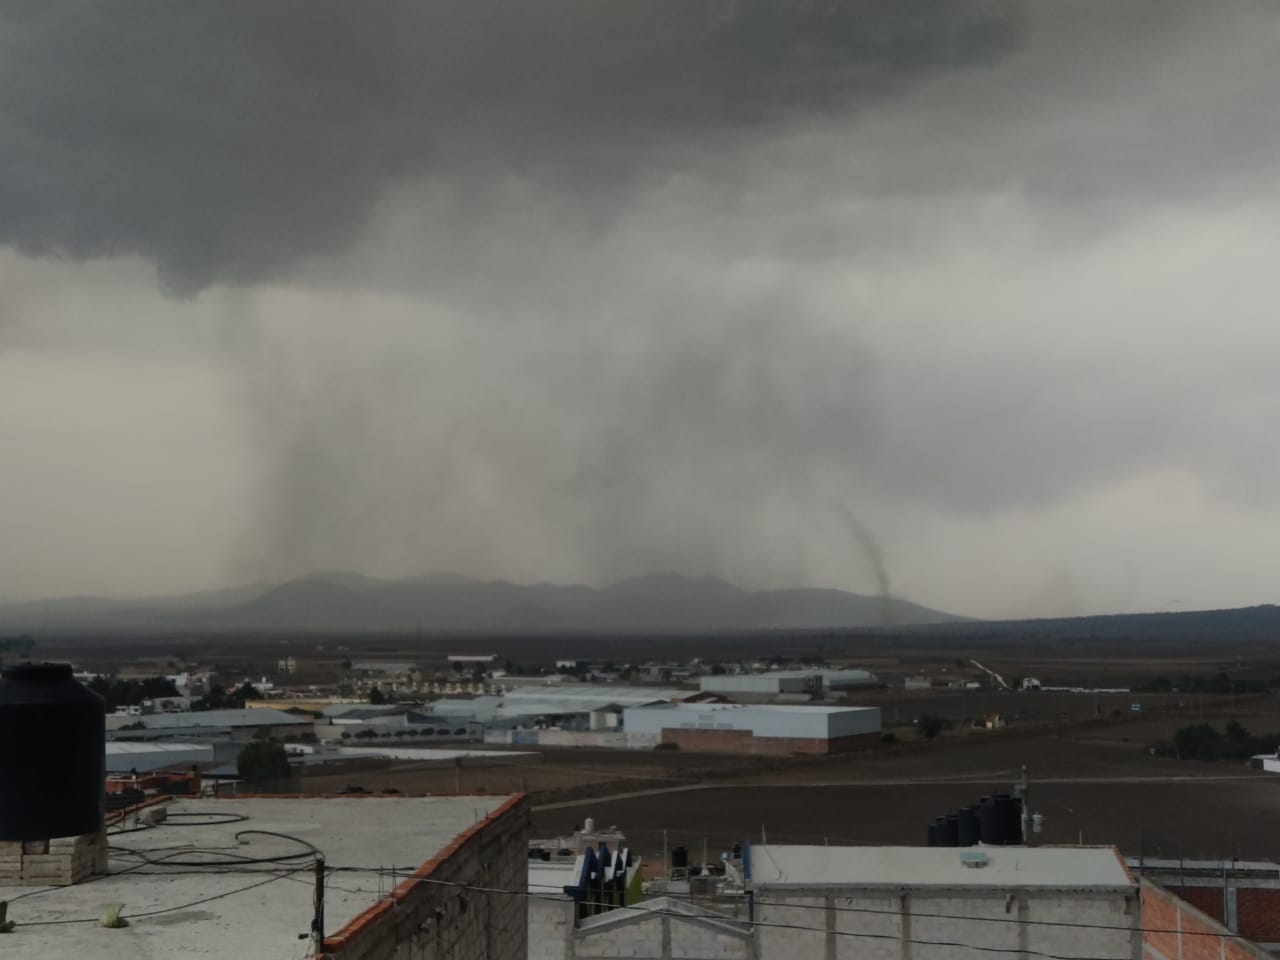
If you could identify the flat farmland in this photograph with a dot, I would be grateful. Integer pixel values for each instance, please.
(1088, 790)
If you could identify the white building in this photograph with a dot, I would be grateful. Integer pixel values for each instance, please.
(773, 683)
(944, 903)
(880, 903)
(1270, 762)
(771, 728)
(776, 683)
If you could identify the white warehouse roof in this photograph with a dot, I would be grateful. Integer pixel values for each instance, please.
(775, 866)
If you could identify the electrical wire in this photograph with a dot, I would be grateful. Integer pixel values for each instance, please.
(171, 909)
(310, 853)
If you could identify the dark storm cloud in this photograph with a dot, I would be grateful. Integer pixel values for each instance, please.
(227, 141)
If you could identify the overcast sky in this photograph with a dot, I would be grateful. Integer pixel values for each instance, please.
(573, 290)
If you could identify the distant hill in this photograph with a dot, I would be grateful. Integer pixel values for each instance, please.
(1261, 622)
(350, 602)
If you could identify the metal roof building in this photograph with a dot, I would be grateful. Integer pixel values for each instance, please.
(772, 728)
(945, 903)
(774, 683)
(580, 698)
(126, 755)
(246, 717)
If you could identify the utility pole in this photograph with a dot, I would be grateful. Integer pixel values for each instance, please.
(1026, 806)
(317, 922)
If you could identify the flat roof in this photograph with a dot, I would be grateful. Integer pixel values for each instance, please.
(782, 866)
(239, 910)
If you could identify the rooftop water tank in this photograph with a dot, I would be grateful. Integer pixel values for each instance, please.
(52, 753)
(949, 831)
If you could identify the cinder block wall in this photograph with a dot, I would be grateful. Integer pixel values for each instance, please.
(937, 925)
(425, 920)
(551, 924)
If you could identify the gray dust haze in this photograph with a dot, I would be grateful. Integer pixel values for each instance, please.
(576, 290)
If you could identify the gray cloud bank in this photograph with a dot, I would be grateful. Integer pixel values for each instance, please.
(583, 290)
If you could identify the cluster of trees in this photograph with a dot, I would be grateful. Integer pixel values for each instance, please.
(1218, 683)
(220, 698)
(1203, 741)
(263, 761)
(929, 726)
(130, 693)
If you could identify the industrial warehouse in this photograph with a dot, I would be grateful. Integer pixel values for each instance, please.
(737, 728)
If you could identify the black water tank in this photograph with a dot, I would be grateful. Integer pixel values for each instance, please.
(949, 831)
(1005, 814)
(679, 858)
(933, 833)
(1015, 821)
(970, 827)
(989, 825)
(52, 753)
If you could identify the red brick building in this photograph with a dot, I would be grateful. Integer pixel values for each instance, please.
(1173, 929)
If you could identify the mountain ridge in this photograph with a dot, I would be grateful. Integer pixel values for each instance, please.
(343, 601)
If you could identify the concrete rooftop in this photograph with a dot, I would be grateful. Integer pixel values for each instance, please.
(782, 866)
(259, 909)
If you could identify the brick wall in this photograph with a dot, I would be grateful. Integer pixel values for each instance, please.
(743, 741)
(1175, 930)
(1258, 913)
(1254, 910)
(424, 920)
(1205, 899)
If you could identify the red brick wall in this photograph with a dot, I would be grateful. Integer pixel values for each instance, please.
(1257, 908)
(1205, 899)
(1175, 930)
(742, 741)
(1258, 913)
